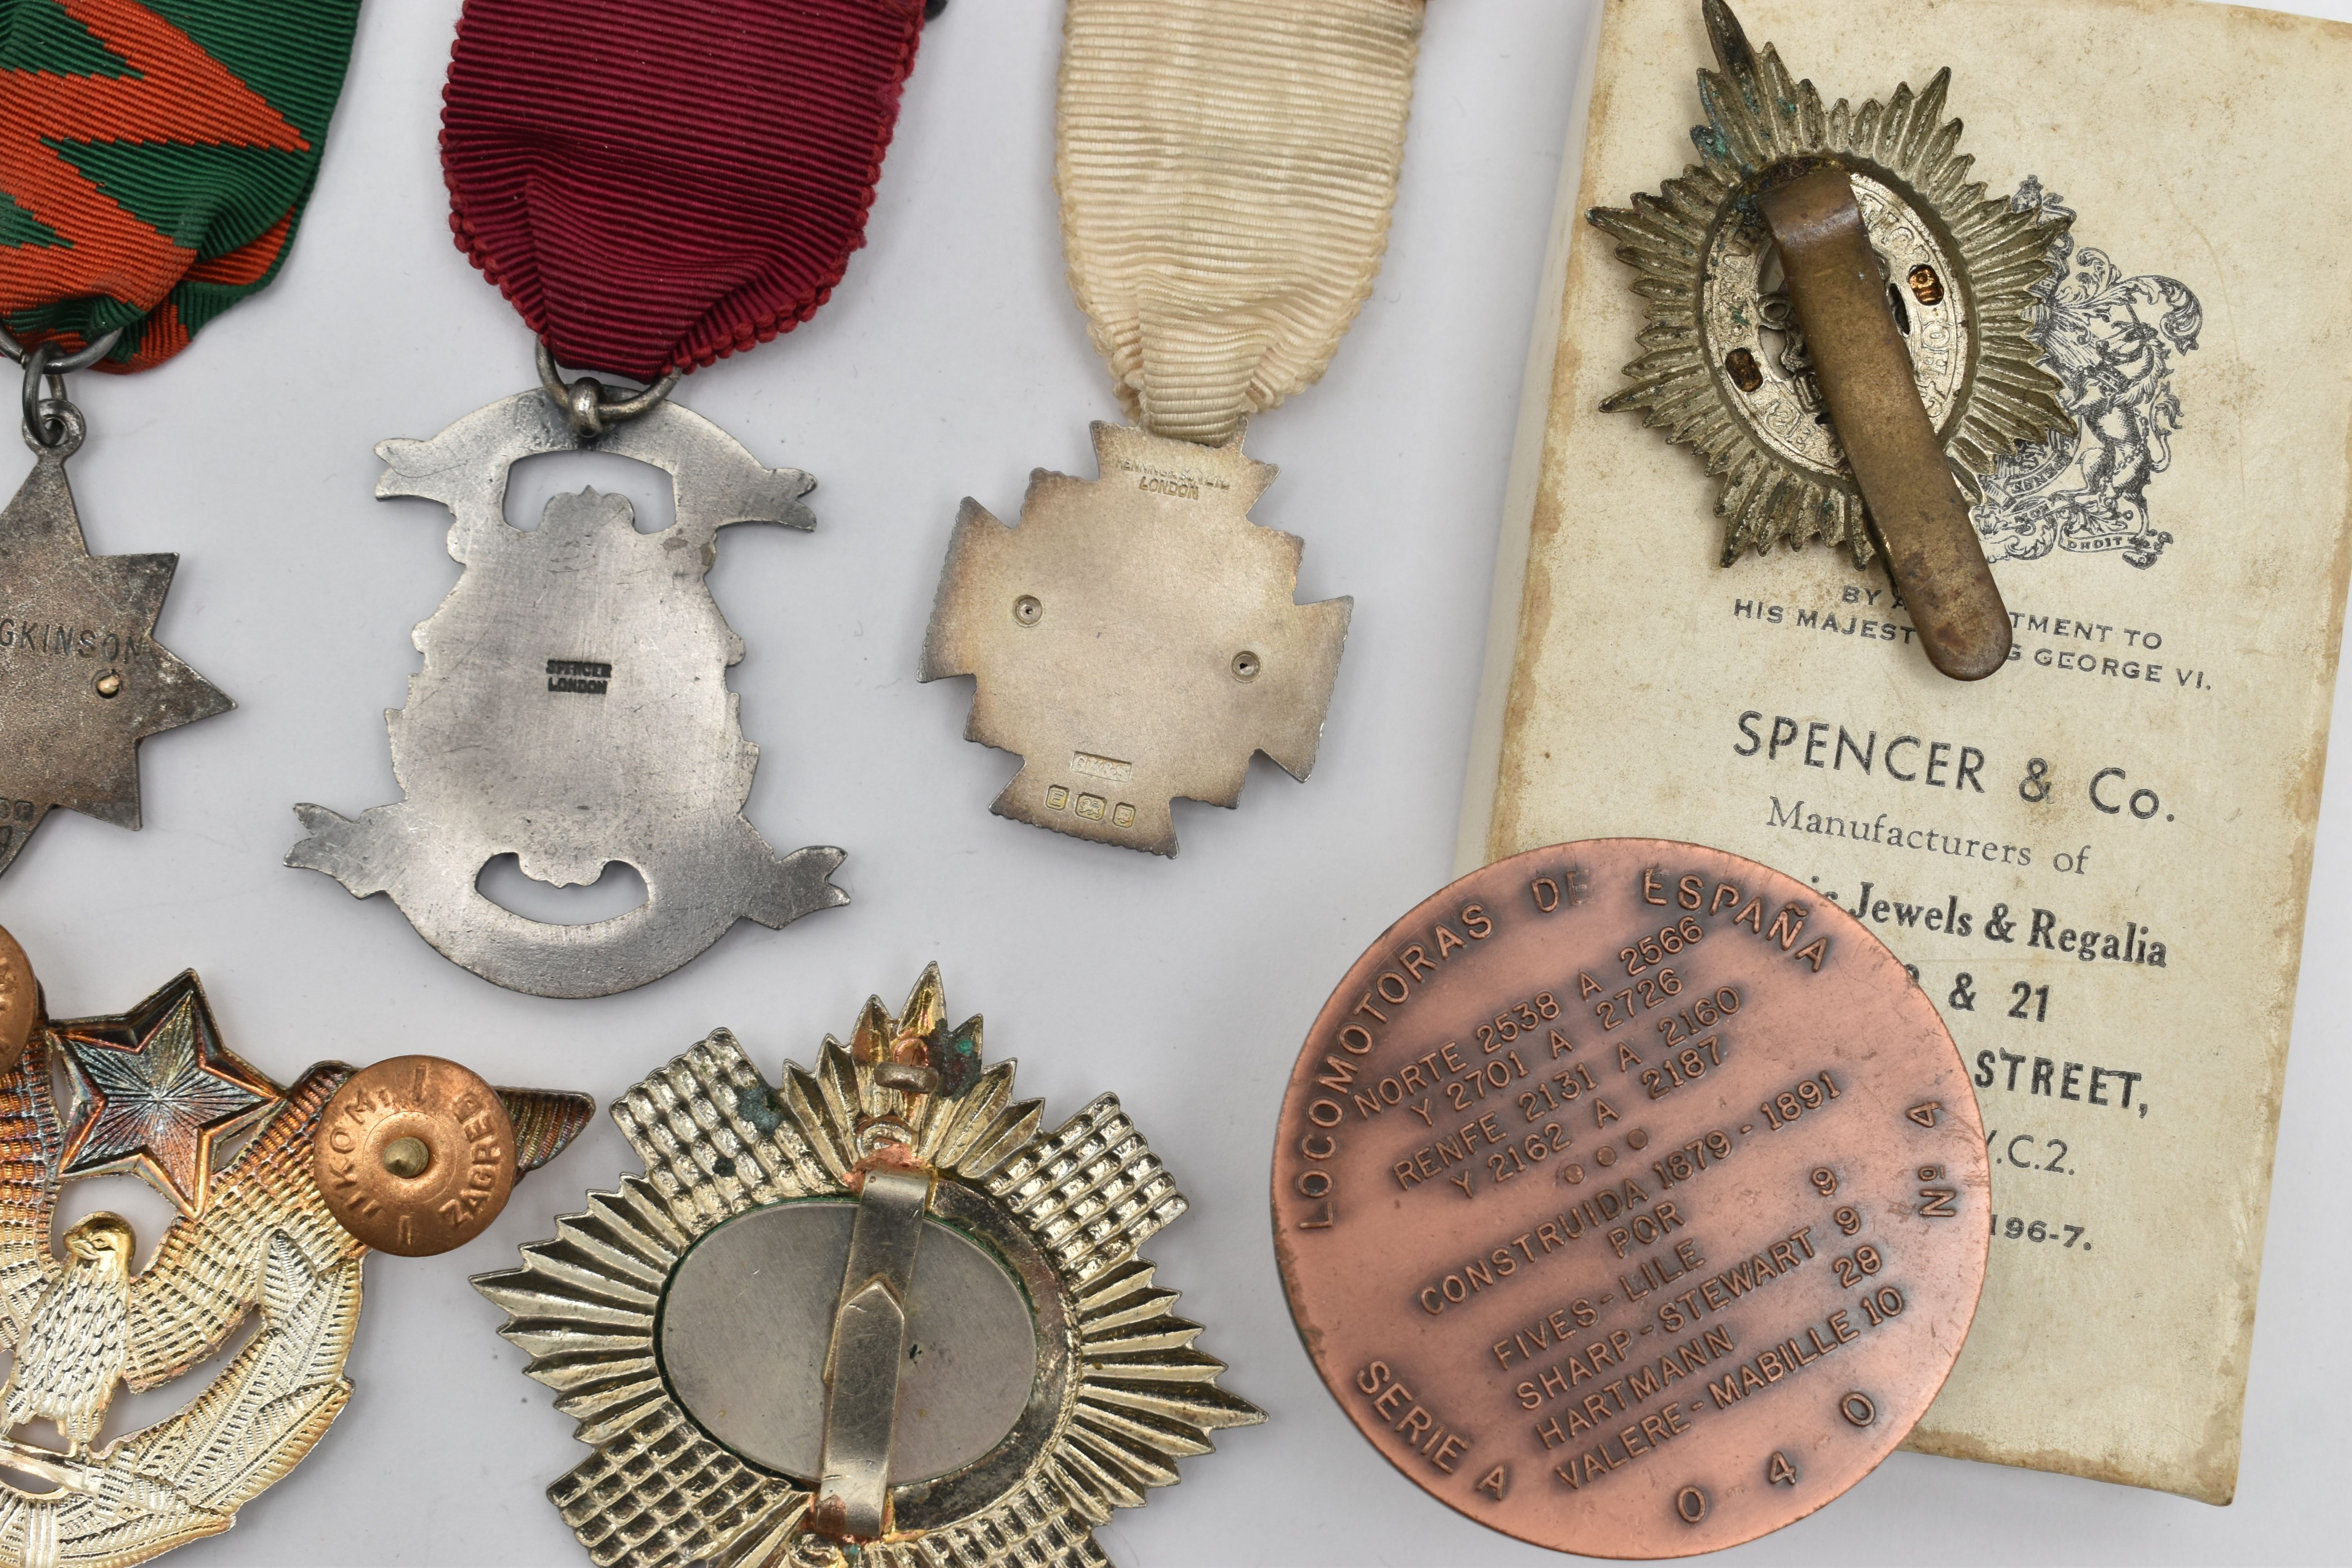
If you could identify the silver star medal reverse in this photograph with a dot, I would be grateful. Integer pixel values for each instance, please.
(82, 679)
(573, 710)
(1136, 639)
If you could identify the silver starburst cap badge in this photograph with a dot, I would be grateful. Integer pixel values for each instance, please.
(874, 1316)
(1840, 322)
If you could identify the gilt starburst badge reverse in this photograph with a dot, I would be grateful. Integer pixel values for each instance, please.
(1724, 369)
(688, 1319)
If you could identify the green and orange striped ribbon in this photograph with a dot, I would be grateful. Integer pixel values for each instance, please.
(155, 156)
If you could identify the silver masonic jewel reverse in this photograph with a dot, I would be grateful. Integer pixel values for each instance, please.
(573, 710)
(873, 1318)
(1136, 639)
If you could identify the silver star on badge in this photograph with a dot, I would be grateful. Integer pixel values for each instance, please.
(82, 679)
(156, 1093)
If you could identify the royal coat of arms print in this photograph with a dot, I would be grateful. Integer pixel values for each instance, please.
(2113, 341)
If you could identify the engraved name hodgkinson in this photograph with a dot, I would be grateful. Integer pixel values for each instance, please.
(41, 636)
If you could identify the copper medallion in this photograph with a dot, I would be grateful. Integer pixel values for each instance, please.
(1630, 1198)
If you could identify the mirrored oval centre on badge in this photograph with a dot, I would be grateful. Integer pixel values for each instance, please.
(747, 1317)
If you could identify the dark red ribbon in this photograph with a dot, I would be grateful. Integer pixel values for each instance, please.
(655, 185)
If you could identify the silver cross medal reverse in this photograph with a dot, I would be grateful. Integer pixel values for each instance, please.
(1135, 638)
(573, 709)
(1136, 635)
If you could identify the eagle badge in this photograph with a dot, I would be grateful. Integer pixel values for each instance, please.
(259, 1184)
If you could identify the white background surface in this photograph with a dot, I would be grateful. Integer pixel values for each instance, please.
(950, 361)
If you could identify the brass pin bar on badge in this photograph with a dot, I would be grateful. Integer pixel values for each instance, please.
(1840, 322)
(1931, 547)
(870, 1340)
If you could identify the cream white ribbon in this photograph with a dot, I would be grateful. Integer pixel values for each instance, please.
(1226, 169)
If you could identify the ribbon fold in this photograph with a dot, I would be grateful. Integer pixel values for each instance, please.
(155, 159)
(1227, 170)
(654, 186)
